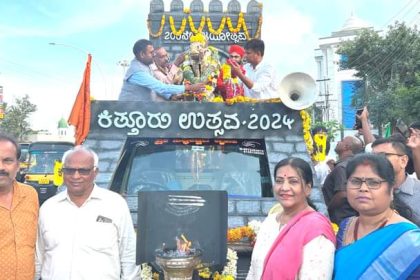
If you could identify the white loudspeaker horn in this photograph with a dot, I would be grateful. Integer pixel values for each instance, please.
(297, 91)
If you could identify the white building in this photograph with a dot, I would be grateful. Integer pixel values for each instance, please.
(63, 133)
(336, 86)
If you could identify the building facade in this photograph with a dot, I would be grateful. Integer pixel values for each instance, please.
(336, 84)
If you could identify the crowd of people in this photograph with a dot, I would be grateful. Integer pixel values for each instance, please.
(198, 72)
(86, 232)
(372, 198)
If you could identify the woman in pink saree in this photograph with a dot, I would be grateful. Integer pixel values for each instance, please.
(305, 245)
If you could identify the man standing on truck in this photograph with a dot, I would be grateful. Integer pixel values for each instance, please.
(260, 77)
(85, 232)
(139, 83)
(18, 216)
(163, 70)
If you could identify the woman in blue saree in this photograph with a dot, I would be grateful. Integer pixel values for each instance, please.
(379, 243)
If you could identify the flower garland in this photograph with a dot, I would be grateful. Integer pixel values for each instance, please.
(306, 125)
(181, 28)
(162, 24)
(258, 32)
(219, 30)
(203, 20)
(147, 273)
(229, 271)
(238, 26)
(200, 26)
(239, 233)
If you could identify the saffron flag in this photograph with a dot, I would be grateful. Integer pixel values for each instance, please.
(80, 114)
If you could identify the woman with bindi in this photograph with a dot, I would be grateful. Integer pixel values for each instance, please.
(379, 243)
(297, 242)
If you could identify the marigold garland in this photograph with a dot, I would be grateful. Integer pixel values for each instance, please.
(239, 233)
(181, 28)
(258, 32)
(219, 30)
(162, 24)
(241, 25)
(238, 26)
(200, 26)
(306, 125)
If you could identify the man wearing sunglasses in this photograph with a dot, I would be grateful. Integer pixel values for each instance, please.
(85, 232)
(406, 188)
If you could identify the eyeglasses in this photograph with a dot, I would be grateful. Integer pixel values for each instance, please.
(72, 171)
(389, 154)
(371, 183)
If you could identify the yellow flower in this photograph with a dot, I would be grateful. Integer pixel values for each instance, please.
(226, 71)
(200, 26)
(157, 34)
(181, 28)
(199, 38)
(334, 227)
(217, 99)
(218, 30)
(306, 125)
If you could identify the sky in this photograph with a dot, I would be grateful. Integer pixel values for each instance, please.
(51, 74)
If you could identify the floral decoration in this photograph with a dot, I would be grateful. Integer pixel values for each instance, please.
(335, 227)
(198, 38)
(218, 30)
(200, 26)
(162, 24)
(229, 271)
(258, 32)
(238, 26)
(240, 233)
(181, 28)
(241, 25)
(147, 273)
(306, 124)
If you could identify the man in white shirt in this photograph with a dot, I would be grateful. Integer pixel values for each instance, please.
(260, 78)
(85, 232)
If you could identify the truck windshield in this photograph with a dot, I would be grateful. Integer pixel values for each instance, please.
(43, 161)
(238, 166)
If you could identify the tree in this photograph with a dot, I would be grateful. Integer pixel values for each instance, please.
(16, 118)
(389, 67)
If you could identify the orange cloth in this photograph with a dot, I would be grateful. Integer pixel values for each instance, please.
(80, 114)
(18, 230)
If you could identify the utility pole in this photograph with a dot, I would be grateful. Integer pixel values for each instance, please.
(326, 107)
